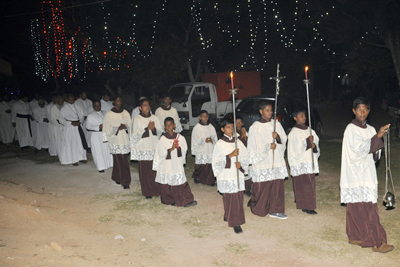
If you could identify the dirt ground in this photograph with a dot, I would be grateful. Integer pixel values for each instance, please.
(54, 215)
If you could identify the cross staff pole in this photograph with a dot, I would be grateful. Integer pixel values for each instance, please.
(307, 81)
(233, 92)
(277, 80)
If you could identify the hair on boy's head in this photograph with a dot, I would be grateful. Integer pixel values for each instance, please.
(225, 122)
(169, 119)
(141, 101)
(116, 96)
(202, 111)
(106, 94)
(360, 101)
(239, 118)
(166, 95)
(297, 112)
(263, 104)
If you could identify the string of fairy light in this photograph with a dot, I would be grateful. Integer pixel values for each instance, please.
(74, 57)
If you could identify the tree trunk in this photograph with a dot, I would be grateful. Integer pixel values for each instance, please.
(392, 41)
(190, 72)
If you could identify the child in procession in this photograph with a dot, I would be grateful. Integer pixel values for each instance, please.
(358, 180)
(243, 136)
(266, 148)
(169, 158)
(230, 182)
(204, 138)
(166, 110)
(146, 130)
(303, 163)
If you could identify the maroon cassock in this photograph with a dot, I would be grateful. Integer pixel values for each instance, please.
(121, 172)
(362, 219)
(181, 195)
(233, 207)
(147, 179)
(267, 197)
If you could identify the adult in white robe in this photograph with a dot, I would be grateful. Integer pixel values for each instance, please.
(100, 150)
(50, 128)
(6, 129)
(11, 104)
(72, 151)
(42, 132)
(106, 103)
(58, 128)
(21, 117)
(86, 105)
(33, 104)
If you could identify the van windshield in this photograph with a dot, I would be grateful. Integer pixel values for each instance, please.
(180, 93)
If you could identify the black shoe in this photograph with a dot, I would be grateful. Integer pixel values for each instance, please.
(196, 181)
(213, 184)
(25, 148)
(83, 161)
(37, 150)
(117, 182)
(248, 193)
(149, 197)
(75, 164)
(311, 212)
(238, 229)
(173, 204)
(190, 204)
(225, 220)
(126, 187)
(101, 171)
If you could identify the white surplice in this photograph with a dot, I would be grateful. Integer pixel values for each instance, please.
(58, 128)
(42, 131)
(118, 141)
(24, 126)
(266, 164)
(162, 114)
(85, 106)
(106, 106)
(170, 171)
(72, 150)
(52, 138)
(100, 150)
(203, 151)
(6, 129)
(143, 148)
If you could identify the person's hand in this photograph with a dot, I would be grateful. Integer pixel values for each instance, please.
(383, 130)
(45, 120)
(273, 146)
(122, 127)
(151, 125)
(234, 153)
(8, 111)
(274, 135)
(14, 124)
(312, 145)
(174, 145)
(208, 140)
(243, 133)
(76, 123)
(101, 126)
(238, 165)
(311, 138)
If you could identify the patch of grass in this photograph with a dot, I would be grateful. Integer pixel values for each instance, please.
(330, 234)
(237, 248)
(102, 197)
(223, 263)
(197, 228)
(131, 221)
(106, 218)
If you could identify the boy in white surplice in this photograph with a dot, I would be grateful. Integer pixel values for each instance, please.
(169, 158)
(225, 168)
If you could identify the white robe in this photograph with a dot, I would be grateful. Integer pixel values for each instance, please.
(22, 127)
(163, 114)
(42, 131)
(33, 104)
(72, 150)
(358, 179)
(6, 128)
(106, 106)
(100, 150)
(203, 151)
(299, 158)
(227, 181)
(85, 106)
(170, 171)
(118, 141)
(144, 148)
(58, 128)
(50, 129)
(262, 156)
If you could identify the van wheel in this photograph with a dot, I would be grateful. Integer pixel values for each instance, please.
(318, 128)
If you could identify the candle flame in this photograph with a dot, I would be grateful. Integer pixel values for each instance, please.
(307, 68)
(231, 74)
